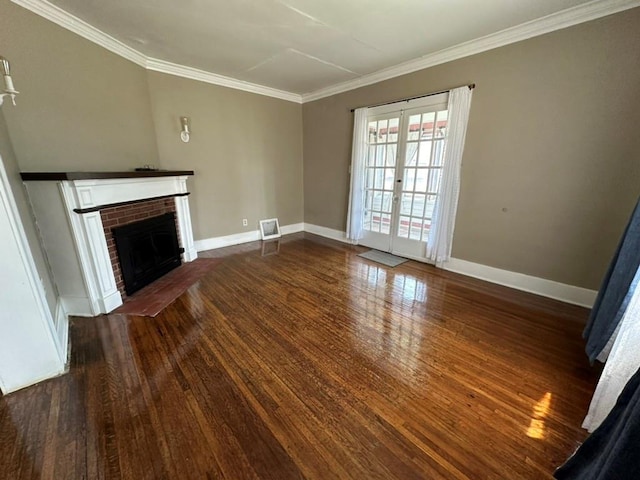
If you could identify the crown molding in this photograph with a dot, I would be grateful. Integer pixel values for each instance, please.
(74, 24)
(208, 77)
(555, 21)
(80, 27)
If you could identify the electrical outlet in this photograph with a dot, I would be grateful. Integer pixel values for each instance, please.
(244, 222)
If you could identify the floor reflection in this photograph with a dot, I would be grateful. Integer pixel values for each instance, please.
(540, 412)
(15, 432)
(392, 306)
(312, 357)
(192, 301)
(270, 247)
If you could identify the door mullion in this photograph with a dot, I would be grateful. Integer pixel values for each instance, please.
(424, 204)
(397, 191)
(402, 151)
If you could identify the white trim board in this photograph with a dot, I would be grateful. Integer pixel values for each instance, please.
(27, 325)
(327, 232)
(239, 238)
(78, 26)
(62, 326)
(527, 283)
(215, 79)
(555, 21)
(539, 286)
(76, 306)
(547, 24)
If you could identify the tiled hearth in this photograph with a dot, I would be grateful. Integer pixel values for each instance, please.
(75, 213)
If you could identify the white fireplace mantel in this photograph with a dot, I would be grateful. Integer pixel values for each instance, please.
(67, 209)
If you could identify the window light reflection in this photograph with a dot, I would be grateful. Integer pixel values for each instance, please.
(389, 335)
(540, 412)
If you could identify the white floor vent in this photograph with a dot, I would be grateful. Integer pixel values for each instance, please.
(269, 229)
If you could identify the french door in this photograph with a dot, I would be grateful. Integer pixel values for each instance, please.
(402, 175)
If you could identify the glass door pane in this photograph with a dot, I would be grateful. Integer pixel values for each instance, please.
(422, 169)
(403, 172)
(380, 172)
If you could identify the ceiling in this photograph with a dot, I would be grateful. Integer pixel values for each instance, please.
(302, 46)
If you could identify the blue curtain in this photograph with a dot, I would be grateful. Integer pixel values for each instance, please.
(616, 290)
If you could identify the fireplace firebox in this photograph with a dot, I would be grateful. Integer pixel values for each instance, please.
(147, 250)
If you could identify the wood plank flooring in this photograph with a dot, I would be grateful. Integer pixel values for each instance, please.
(312, 363)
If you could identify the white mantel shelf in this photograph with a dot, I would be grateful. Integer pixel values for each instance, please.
(78, 254)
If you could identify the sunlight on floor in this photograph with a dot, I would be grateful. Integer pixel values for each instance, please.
(540, 412)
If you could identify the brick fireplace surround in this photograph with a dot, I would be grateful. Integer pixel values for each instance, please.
(130, 213)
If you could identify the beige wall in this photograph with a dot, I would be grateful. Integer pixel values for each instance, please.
(246, 150)
(84, 108)
(551, 169)
(8, 159)
(80, 107)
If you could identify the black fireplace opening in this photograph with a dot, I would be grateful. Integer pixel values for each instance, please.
(147, 250)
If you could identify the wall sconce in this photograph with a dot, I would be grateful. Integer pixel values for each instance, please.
(186, 130)
(8, 88)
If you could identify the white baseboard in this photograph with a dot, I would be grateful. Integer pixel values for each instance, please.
(540, 286)
(111, 301)
(189, 255)
(78, 306)
(227, 240)
(327, 232)
(244, 237)
(293, 228)
(62, 329)
(527, 283)
(34, 379)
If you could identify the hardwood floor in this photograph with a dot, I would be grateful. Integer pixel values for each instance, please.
(312, 363)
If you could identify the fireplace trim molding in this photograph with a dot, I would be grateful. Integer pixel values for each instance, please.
(86, 230)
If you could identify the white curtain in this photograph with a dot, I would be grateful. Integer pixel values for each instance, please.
(355, 217)
(444, 212)
(622, 363)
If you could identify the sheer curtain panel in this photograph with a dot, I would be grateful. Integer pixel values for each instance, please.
(444, 214)
(355, 216)
(623, 362)
(616, 290)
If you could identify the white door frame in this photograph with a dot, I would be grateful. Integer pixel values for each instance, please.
(30, 350)
(391, 242)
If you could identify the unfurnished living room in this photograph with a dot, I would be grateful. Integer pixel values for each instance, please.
(319, 239)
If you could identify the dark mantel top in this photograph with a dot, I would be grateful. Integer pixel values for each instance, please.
(40, 176)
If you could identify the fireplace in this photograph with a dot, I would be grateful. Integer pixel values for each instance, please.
(76, 213)
(147, 250)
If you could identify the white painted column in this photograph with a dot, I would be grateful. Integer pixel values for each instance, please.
(106, 293)
(186, 231)
(93, 254)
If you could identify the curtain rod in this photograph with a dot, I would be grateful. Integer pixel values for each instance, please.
(471, 87)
